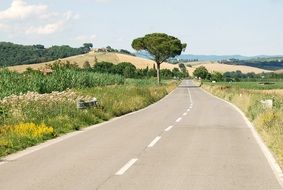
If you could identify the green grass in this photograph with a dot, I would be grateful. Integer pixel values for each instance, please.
(58, 111)
(13, 83)
(251, 85)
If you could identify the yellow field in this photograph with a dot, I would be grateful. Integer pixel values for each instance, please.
(279, 71)
(108, 57)
(222, 68)
(140, 63)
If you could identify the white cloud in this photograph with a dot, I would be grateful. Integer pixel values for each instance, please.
(21, 14)
(46, 29)
(53, 27)
(19, 10)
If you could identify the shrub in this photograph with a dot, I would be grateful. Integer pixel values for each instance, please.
(201, 72)
(86, 65)
(125, 69)
(104, 67)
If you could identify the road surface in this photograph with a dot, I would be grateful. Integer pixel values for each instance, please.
(188, 140)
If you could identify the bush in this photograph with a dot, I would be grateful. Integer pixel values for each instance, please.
(166, 73)
(201, 72)
(104, 67)
(125, 69)
(86, 65)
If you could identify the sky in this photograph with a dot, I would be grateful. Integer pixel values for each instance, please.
(219, 27)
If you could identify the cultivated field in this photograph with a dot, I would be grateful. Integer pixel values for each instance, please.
(115, 58)
(140, 63)
(222, 68)
(279, 71)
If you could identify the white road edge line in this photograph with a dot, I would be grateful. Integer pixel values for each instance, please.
(270, 158)
(126, 166)
(169, 128)
(154, 142)
(179, 119)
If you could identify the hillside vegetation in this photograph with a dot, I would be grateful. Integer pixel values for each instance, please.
(93, 57)
(269, 63)
(14, 54)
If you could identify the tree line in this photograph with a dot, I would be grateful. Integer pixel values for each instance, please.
(128, 70)
(15, 54)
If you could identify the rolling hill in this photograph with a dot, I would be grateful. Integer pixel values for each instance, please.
(222, 68)
(279, 71)
(139, 63)
(101, 56)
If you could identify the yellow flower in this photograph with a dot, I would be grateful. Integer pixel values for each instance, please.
(32, 130)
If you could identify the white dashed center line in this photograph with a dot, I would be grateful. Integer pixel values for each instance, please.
(154, 142)
(169, 128)
(179, 119)
(126, 167)
(184, 114)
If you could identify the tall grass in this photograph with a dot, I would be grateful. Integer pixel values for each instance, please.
(50, 115)
(12, 83)
(268, 122)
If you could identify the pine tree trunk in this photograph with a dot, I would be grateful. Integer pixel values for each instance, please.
(158, 73)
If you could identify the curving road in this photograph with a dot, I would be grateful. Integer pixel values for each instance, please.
(188, 140)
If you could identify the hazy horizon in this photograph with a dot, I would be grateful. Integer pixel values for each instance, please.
(236, 27)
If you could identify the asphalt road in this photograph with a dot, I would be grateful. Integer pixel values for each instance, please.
(188, 140)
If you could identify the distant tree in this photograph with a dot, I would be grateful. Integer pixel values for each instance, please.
(126, 69)
(216, 76)
(39, 46)
(15, 54)
(151, 73)
(104, 67)
(160, 46)
(175, 72)
(183, 70)
(182, 66)
(126, 52)
(86, 65)
(201, 72)
(109, 49)
(88, 46)
(166, 73)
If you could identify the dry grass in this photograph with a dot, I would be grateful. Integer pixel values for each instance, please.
(280, 71)
(222, 68)
(108, 57)
(270, 92)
